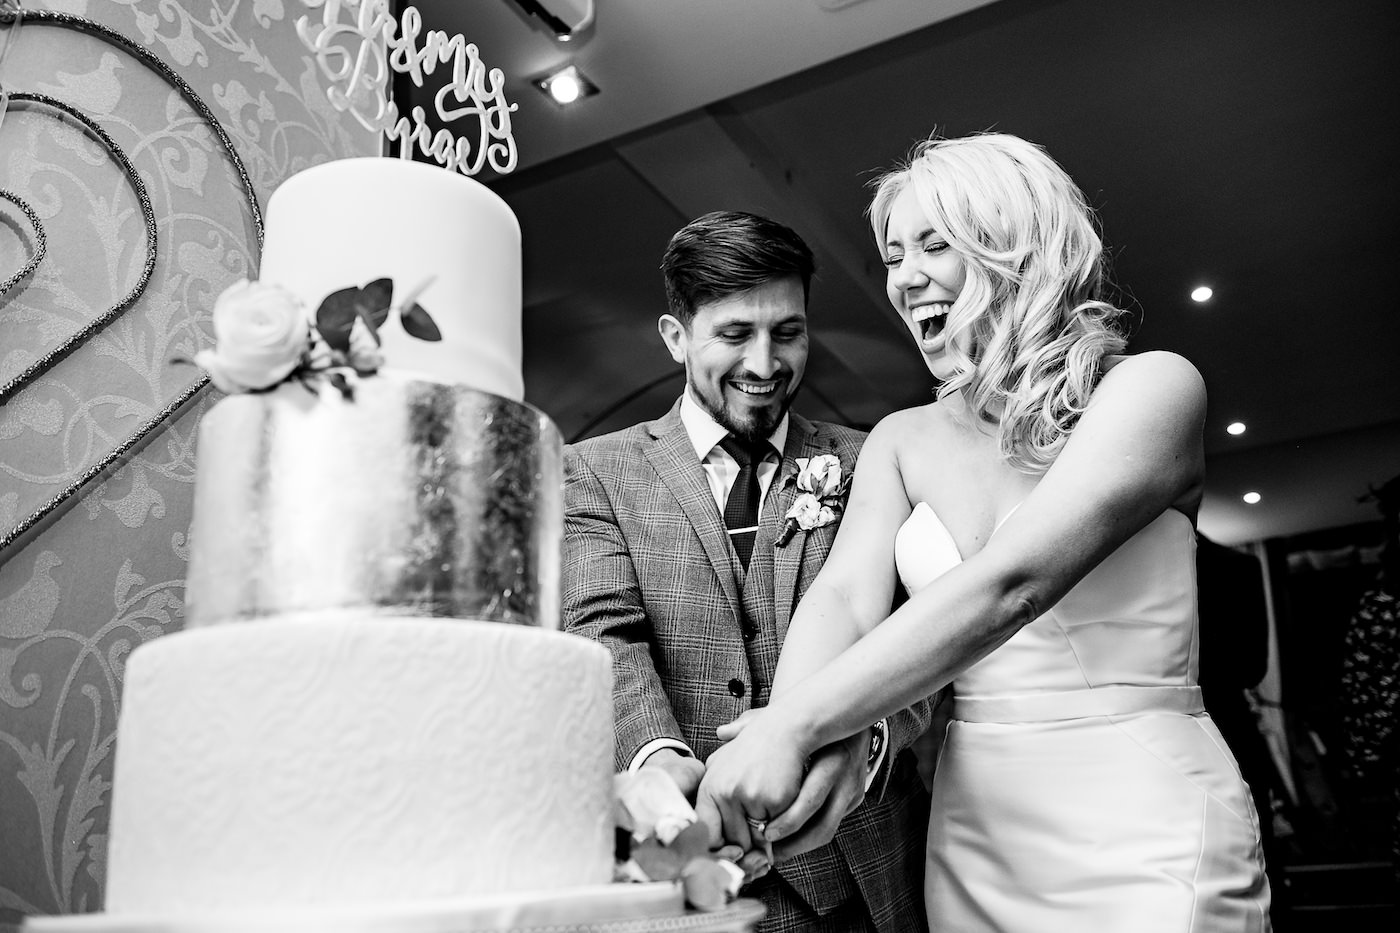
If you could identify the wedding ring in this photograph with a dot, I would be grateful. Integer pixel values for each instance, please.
(761, 827)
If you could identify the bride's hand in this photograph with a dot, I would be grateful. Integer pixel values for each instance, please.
(834, 786)
(758, 773)
(732, 728)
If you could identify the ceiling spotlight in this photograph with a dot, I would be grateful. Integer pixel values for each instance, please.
(1201, 293)
(1235, 427)
(1251, 498)
(566, 85)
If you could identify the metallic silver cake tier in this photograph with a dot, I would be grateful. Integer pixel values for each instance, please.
(411, 498)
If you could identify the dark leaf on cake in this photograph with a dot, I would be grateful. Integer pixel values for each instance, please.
(418, 324)
(336, 316)
(622, 844)
(378, 297)
(692, 842)
(340, 382)
(659, 862)
(663, 862)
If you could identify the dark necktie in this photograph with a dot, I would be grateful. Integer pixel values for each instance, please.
(741, 509)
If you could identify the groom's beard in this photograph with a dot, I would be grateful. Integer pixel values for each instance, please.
(749, 424)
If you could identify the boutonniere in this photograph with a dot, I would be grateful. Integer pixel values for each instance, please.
(824, 487)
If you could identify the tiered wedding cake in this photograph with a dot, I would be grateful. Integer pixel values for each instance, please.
(371, 721)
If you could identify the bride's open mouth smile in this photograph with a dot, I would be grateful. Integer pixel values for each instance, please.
(931, 319)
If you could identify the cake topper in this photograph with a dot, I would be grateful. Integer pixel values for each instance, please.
(348, 54)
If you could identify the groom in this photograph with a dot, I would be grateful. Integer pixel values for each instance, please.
(673, 560)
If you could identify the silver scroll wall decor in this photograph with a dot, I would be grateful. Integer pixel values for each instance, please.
(11, 16)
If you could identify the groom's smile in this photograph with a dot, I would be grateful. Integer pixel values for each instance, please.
(744, 355)
(762, 391)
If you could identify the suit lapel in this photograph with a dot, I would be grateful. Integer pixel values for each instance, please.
(673, 458)
(803, 441)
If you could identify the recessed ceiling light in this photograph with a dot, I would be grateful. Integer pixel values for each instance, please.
(566, 85)
(1235, 427)
(1251, 498)
(1201, 293)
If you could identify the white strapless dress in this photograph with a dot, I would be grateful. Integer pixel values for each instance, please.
(1081, 786)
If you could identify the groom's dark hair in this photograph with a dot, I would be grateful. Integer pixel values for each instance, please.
(724, 253)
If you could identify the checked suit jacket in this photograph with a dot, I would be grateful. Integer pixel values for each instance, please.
(649, 572)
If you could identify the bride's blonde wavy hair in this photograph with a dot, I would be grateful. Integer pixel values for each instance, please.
(1029, 330)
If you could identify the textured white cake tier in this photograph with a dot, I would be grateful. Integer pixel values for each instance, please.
(604, 908)
(352, 221)
(302, 762)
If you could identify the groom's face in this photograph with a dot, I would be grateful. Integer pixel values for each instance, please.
(744, 355)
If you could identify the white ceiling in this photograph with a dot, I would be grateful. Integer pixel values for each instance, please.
(1248, 144)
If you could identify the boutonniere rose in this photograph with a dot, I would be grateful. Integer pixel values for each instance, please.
(824, 487)
(819, 475)
(263, 335)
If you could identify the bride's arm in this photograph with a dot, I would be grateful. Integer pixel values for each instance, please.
(855, 587)
(850, 595)
(1135, 453)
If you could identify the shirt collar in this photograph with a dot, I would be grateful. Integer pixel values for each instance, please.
(704, 432)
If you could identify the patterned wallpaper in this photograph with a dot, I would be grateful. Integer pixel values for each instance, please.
(106, 572)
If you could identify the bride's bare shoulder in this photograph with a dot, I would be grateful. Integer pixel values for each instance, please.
(1159, 368)
(915, 423)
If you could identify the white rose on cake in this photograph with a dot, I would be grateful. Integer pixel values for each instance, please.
(261, 332)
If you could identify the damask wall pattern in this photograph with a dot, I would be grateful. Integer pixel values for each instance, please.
(105, 573)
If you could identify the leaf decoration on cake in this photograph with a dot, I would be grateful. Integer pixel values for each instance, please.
(343, 385)
(662, 839)
(335, 318)
(264, 337)
(416, 321)
(665, 861)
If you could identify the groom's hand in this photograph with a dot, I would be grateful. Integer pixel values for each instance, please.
(833, 787)
(685, 770)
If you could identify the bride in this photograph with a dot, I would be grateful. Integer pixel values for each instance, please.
(1041, 513)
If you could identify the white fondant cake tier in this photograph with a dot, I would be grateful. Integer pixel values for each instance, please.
(614, 908)
(607, 908)
(410, 498)
(352, 221)
(332, 761)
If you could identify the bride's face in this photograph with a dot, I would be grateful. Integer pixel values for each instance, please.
(923, 278)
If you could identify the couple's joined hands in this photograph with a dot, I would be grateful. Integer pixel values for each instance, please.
(688, 773)
(763, 775)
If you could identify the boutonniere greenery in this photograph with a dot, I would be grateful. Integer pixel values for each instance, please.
(263, 335)
(824, 488)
